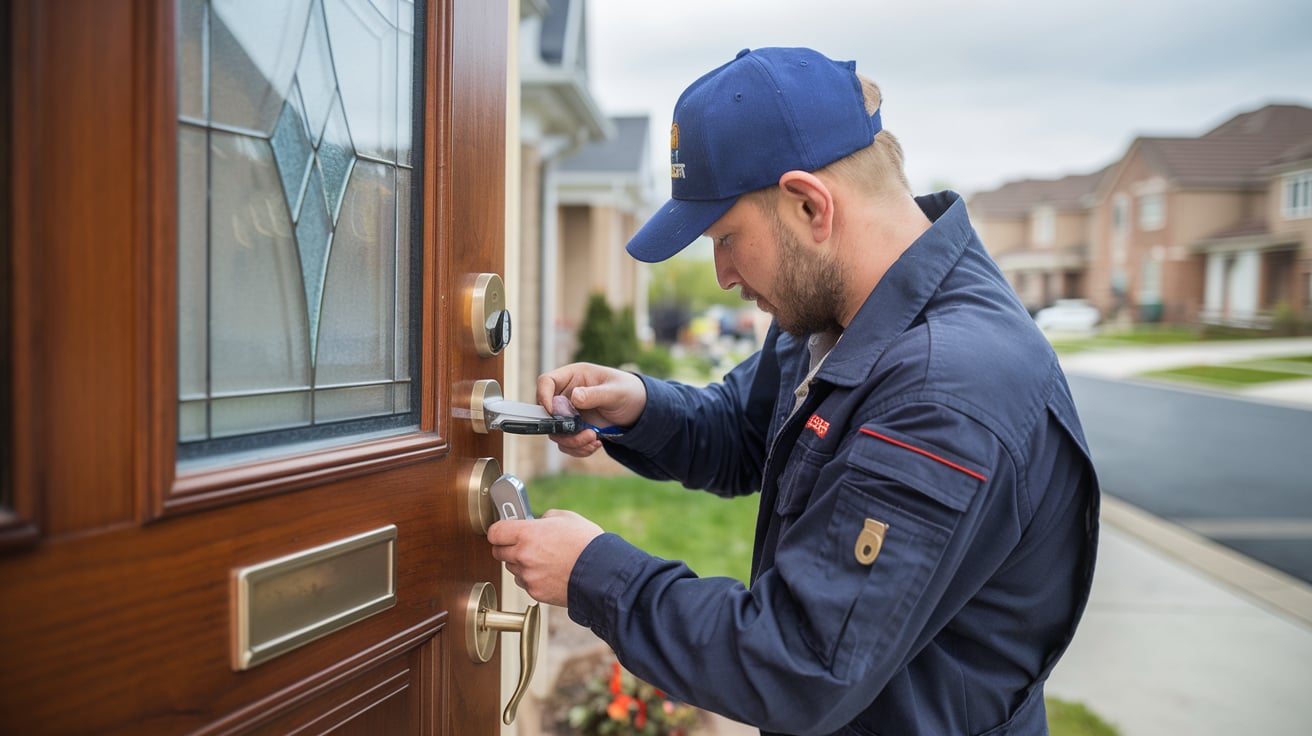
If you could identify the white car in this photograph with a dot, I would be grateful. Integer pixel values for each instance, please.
(1067, 315)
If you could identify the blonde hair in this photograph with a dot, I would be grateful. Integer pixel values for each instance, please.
(877, 168)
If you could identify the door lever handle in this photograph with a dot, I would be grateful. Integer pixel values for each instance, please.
(484, 621)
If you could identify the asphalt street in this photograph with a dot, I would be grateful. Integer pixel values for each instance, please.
(1230, 469)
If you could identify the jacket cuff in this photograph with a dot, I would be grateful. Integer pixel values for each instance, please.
(653, 429)
(600, 576)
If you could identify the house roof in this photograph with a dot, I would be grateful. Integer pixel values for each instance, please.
(553, 37)
(1020, 197)
(1295, 154)
(623, 152)
(1234, 153)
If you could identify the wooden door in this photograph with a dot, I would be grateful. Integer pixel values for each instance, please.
(128, 528)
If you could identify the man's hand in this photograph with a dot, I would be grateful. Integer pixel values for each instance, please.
(541, 552)
(604, 396)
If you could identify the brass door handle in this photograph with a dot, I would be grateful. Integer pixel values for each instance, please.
(483, 621)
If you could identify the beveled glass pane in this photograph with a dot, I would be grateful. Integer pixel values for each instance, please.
(239, 415)
(357, 325)
(385, 8)
(193, 423)
(315, 73)
(404, 85)
(292, 151)
(336, 404)
(365, 48)
(193, 273)
(296, 240)
(192, 42)
(258, 327)
(313, 238)
(403, 265)
(254, 48)
(401, 397)
(335, 157)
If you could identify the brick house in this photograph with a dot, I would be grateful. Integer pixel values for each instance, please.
(1038, 232)
(1214, 229)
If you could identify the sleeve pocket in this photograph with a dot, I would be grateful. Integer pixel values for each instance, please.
(868, 615)
(863, 612)
(940, 474)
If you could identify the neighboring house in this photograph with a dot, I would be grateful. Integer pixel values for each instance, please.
(604, 193)
(1038, 232)
(1193, 229)
(585, 188)
(1266, 261)
(1215, 229)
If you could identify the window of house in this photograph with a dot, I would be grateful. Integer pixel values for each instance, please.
(1150, 279)
(1120, 221)
(1044, 226)
(1297, 196)
(299, 137)
(1120, 214)
(1152, 211)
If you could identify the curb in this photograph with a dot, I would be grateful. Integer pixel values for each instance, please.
(1272, 588)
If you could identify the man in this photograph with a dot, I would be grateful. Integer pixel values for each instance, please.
(928, 519)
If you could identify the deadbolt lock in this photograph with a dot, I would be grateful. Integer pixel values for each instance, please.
(485, 472)
(489, 319)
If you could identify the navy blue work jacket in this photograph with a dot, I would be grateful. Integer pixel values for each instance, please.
(941, 422)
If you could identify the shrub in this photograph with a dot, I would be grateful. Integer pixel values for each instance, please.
(610, 338)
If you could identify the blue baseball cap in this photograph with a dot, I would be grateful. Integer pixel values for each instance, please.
(742, 126)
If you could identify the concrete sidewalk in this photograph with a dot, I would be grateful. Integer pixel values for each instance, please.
(1182, 635)
(1168, 646)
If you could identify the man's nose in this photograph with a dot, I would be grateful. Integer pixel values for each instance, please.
(725, 273)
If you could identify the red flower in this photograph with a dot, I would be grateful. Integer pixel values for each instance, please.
(615, 686)
(619, 707)
(641, 720)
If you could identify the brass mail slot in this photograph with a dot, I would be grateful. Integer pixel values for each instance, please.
(286, 603)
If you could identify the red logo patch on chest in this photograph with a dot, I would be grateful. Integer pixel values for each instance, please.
(820, 426)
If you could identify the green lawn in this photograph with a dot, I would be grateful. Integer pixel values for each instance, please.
(714, 536)
(1073, 719)
(1143, 335)
(1231, 375)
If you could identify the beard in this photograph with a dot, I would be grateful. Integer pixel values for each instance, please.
(807, 288)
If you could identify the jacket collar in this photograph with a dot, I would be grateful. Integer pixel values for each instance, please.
(904, 291)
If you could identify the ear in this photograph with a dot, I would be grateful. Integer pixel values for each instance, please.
(804, 196)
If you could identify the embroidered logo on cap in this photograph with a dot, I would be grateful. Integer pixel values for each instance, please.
(676, 168)
(820, 426)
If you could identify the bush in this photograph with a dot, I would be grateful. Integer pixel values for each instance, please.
(610, 338)
(597, 335)
(656, 362)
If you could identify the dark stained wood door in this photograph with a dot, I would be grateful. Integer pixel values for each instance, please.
(119, 563)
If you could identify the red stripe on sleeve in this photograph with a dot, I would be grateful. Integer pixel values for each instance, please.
(927, 454)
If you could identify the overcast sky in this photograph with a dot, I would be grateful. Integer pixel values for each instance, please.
(981, 93)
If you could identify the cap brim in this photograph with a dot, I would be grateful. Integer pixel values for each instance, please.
(675, 226)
